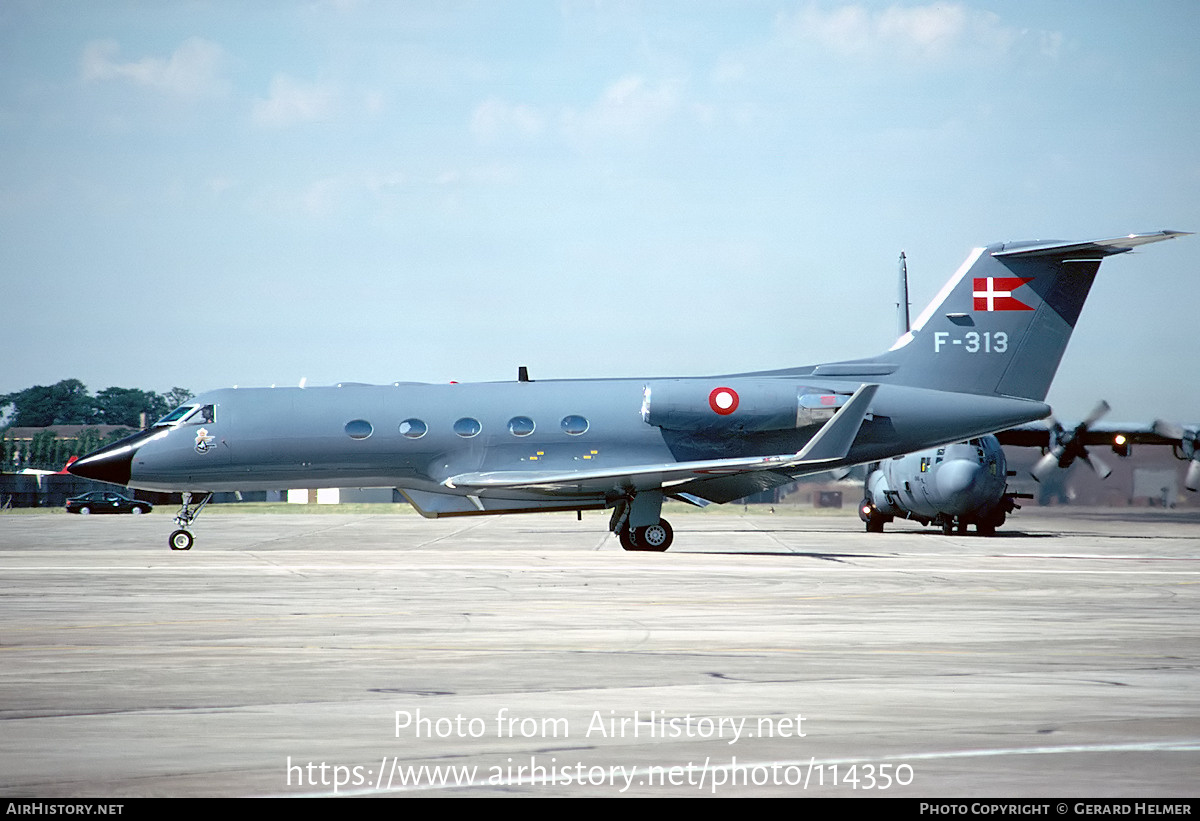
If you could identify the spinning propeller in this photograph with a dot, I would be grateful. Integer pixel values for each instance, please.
(1067, 446)
(1186, 448)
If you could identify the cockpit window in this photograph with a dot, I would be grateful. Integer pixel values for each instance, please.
(175, 415)
(190, 415)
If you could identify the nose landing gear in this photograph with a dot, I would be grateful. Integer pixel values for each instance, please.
(182, 538)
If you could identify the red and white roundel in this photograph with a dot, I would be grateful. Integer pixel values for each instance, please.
(723, 401)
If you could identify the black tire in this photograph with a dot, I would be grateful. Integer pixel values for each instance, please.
(656, 538)
(625, 537)
(85, 510)
(137, 511)
(874, 524)
(180, 540)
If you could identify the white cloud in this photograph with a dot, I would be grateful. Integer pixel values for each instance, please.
(494, 118)
(192, 70)
(917, 33)
(379, 182)
(219, 185)
(291, 102)
(323, 197)
(630, 107)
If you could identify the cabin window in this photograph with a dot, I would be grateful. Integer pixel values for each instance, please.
(413, 428)
(520, 426)
(574, 425)
(358, 429)
(467, 427)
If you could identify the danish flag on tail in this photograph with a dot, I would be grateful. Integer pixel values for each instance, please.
(995, 293)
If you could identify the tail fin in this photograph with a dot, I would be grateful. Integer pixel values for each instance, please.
(1001, 324)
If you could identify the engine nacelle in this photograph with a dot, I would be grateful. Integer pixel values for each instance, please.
(881, 494)
(736, 405)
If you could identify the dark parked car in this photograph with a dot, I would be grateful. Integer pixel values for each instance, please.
(104, 501)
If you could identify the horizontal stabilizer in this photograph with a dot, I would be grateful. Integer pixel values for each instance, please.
(1091, 249)
(831, 444)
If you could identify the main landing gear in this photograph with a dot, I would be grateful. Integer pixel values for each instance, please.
(182, 538)
(643, 507)
(657, 537)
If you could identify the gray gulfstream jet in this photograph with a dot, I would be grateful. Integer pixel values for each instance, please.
(979, 359)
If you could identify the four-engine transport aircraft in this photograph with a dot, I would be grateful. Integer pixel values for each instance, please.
(967, 483)
(979, 359)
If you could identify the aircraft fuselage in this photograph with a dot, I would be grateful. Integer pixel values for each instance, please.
(418, 435)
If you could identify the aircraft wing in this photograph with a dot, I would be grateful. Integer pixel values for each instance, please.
(1037, 435)
(830, 444)
(1063, 446)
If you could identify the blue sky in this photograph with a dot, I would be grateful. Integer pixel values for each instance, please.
(208, 193)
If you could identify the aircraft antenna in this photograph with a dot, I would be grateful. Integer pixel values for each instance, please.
(902, 304)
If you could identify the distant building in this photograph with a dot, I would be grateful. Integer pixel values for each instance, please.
(64, 431)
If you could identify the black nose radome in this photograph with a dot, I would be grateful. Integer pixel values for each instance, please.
(111, 463)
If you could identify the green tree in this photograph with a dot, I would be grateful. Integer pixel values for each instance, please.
(42, 449)
(124, 406)
(176, 397)
(89, 439)
(115, 436)
(63, 403)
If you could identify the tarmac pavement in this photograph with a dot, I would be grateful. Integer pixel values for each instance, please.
(529, 655)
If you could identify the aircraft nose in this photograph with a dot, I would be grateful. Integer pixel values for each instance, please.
(112, 463)
(957, 477)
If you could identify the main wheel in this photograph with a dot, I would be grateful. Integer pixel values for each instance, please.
(137, 511)
(180, 540)
(625, 537)
(654, 537)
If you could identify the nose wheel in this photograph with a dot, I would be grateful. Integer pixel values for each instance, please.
(182, 538)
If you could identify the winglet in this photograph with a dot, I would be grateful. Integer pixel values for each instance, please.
(834, 439)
